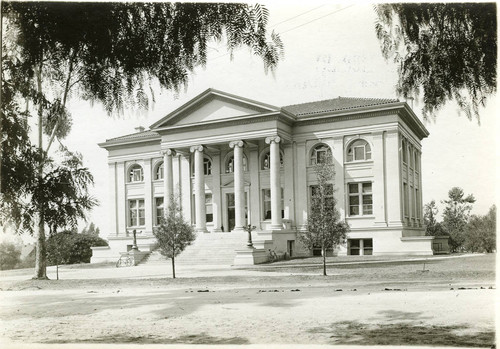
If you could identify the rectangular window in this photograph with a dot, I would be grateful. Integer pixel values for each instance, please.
(354, 247)
(329, 201)
(417, 162)
(359, 247)
(406, 201)
(209, 213)
(417, 203)
(266, 203)
(360, 199)
(159, 210)
(137, 215)
(368, 247)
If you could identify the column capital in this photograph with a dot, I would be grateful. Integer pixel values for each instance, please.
(196, 148)
(238, 144)
(275, 139)
(169, 152)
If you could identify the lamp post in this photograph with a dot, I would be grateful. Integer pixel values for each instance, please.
(134, 244)
(249, 229)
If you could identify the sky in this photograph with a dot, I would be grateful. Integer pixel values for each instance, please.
(330, 50)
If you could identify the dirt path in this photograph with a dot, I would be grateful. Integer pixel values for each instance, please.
(312, 315)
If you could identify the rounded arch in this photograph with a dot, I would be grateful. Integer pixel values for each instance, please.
(158, 170)
(229, 162)
(265, 159)
(135, 173)
(358, 149)
(319, 152)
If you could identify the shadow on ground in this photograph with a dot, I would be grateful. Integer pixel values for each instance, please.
(356, 333)
(201, 338)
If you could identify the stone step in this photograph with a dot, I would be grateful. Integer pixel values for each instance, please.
(208, 248)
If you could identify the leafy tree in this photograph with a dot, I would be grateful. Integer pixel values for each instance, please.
(480, 233)
(92, 49)
(173, 234)
(432, 226)
(9, 255)
(325, 228)
(456, 215)
(447, 51)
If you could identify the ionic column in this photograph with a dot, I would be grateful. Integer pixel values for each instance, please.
(239, 188)
(168, 177)
(199, 189)
(276, 221)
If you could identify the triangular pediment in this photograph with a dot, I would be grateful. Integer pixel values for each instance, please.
(230, 183)
(213, 105)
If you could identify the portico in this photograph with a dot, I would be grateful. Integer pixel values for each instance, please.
(231, 208)
(230, 161)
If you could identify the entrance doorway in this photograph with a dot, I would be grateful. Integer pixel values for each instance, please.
(231, 211)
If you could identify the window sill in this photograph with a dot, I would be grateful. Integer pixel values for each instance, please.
(358, 162)
(361, 217)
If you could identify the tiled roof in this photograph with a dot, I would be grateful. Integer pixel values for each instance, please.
(135, 136)
(340, 103)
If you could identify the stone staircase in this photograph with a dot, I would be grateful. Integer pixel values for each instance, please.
(207, 249)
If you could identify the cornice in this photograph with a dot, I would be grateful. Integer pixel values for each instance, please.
(115, 143)
(234, 121)
(339, 133)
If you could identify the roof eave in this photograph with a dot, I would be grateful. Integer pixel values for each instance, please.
(111, 143)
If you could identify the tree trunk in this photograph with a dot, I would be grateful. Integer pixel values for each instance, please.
(323, 250)
(173, 267)
(41, 253)
(57, 271)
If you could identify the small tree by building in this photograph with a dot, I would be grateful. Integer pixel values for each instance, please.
(456, 215)
(325, 228)
(173, 234)
(432, 226)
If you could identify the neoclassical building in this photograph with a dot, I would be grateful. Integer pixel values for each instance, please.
(231, 161)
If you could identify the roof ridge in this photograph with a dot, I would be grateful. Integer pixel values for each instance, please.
(340, 97)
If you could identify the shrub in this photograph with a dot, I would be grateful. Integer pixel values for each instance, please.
(10, 255)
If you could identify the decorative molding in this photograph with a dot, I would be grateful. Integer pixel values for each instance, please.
(273, 139)
(196, 148)
(168, 152)
(239, 144)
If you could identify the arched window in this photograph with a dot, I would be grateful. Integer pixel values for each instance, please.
(229, 168)
(135, 174)
(207, 166)
(359, 150)
(320, 153)
(266, 161)
(159, 171)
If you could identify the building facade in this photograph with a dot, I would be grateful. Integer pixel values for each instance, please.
(232, 161)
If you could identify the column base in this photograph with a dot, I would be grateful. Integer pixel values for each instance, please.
(237, 229)
(201, 230)
(276, 226)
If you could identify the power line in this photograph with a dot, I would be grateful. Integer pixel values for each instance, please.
(316, 19)
(301, 25)
(300, 14)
